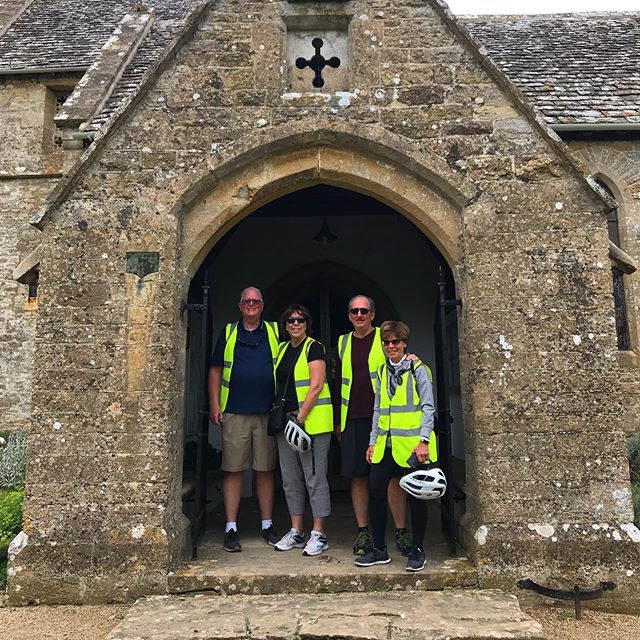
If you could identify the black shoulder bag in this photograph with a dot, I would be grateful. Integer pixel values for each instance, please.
(277, 416)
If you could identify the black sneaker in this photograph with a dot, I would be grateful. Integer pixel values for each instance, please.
(404, 542)
(373, 556)
(232, 541)
(270, 536)
(363, 543)
(416, 560)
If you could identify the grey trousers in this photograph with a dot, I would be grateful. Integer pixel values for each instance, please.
(298, 476)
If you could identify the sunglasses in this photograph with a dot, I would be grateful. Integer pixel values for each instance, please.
(252, 301)
(359, 310)
(395, 342)
(294, 320)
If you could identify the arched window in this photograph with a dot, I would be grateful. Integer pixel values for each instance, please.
(622, 321)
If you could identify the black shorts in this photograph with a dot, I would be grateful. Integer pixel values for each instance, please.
(353, 447)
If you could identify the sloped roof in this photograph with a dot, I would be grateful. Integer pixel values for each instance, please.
(575, 68)
(68, 33)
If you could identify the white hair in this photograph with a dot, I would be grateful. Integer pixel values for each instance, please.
(250, 289)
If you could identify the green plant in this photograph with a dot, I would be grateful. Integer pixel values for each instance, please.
(566, 614)
(10, 525)
(13, 459)
(10, 517)
(633, 449)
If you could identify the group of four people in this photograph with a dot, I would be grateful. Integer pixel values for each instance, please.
(383, 413)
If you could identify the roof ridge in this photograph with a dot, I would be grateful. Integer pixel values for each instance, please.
(531, 17)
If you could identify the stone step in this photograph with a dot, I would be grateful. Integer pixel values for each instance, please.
(454, 614)
(269, 573)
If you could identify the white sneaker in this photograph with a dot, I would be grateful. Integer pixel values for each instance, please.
(316, 545)
(290, 540)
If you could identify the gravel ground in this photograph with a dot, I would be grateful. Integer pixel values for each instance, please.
(93, 623)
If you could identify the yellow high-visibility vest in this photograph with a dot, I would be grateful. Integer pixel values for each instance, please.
(320, 418)
(400, 416)
(231, 334)
(375, 360)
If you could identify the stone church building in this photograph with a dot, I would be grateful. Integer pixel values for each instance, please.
(479, 177)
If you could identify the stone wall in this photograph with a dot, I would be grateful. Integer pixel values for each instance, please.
(424, 127)
(28, 165)
(617, 163)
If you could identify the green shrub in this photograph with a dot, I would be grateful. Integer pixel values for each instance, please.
(13, 458)
(10, 515)
(10, 525)
(633, 448)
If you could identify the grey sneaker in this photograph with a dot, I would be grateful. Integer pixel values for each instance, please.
(373, 556)
(316, 545)
(232, 541)
(290, 540)
(416, 560)
(404, 542)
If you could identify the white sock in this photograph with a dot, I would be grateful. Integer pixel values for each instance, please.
(231, 525)
(266, 524)
(317, 532)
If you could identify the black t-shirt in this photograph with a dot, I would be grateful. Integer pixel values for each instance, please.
(316, 352)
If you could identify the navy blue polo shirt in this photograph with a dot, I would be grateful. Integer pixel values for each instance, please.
(251, 388)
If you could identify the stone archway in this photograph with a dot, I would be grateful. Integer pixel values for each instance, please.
(422, 188)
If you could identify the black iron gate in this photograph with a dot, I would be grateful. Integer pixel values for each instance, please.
(196, 427)
(446, 315)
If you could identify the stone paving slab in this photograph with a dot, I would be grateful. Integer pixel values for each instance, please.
(453, 615)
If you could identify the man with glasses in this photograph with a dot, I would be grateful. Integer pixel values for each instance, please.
(241, 392)
(360, 356)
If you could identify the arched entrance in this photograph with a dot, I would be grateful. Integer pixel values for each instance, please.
(320, 245)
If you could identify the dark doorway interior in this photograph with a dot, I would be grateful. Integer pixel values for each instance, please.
(320, 246)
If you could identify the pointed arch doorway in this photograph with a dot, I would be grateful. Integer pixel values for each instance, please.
(376, 251)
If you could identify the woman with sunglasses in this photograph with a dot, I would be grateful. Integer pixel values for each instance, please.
(301, 381)
(403, 418)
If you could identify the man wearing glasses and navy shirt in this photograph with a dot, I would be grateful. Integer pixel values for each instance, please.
(241, 393)
(360, 356)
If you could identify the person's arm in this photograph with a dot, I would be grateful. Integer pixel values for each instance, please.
(375, 432)
(317, 372)
(428, 410)
(215, 375)
(337, 398)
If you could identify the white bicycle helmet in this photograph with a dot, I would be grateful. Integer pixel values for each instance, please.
(425, 484)
(297, 438)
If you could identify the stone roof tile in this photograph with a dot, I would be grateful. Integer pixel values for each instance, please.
(67, 33)
(576, 68)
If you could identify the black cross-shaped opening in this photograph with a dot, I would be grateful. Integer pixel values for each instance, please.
(318, 62)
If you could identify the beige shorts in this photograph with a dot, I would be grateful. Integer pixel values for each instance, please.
(243, 433)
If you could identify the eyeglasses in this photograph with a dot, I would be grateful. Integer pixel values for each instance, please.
(253, 301)
(294, 320)
(359, 310)
(395, 342)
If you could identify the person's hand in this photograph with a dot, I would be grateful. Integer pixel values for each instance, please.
(338, 432)
(215, 415)
(412, 357)
(422, 451)
(370, 453)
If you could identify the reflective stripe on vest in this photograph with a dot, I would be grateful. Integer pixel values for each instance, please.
(320, 418)
(231, 337)
(376, 359)
(400, 416)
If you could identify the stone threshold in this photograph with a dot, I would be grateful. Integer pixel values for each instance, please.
(453, 615)
(275, 574)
